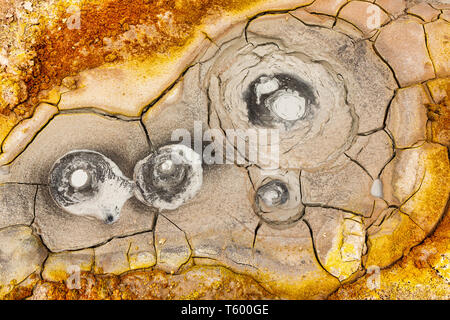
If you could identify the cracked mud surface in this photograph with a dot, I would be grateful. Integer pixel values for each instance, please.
(357, 90)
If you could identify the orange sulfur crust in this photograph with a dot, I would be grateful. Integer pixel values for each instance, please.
(422, 274)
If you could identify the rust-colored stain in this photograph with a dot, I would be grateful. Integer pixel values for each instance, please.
(421, 274)
(59, 51)
(149, 285)
(439, 115)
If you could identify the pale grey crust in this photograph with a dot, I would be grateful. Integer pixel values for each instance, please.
(339, 204)
(288, 208)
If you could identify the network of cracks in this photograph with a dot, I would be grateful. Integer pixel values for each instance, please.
(353, 181)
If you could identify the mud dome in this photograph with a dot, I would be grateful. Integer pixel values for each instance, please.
(169, 177)
(86, 183)
(317, 86)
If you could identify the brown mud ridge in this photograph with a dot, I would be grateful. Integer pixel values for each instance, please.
(63, 52)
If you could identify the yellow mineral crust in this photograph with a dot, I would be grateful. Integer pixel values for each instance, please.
(342, 259)
(420, 213)
(317, 284)
(198, 282)
(422, 274)
(59, 266)
(144, 43)
(24, 132)
(313, 288)
(427, 205)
